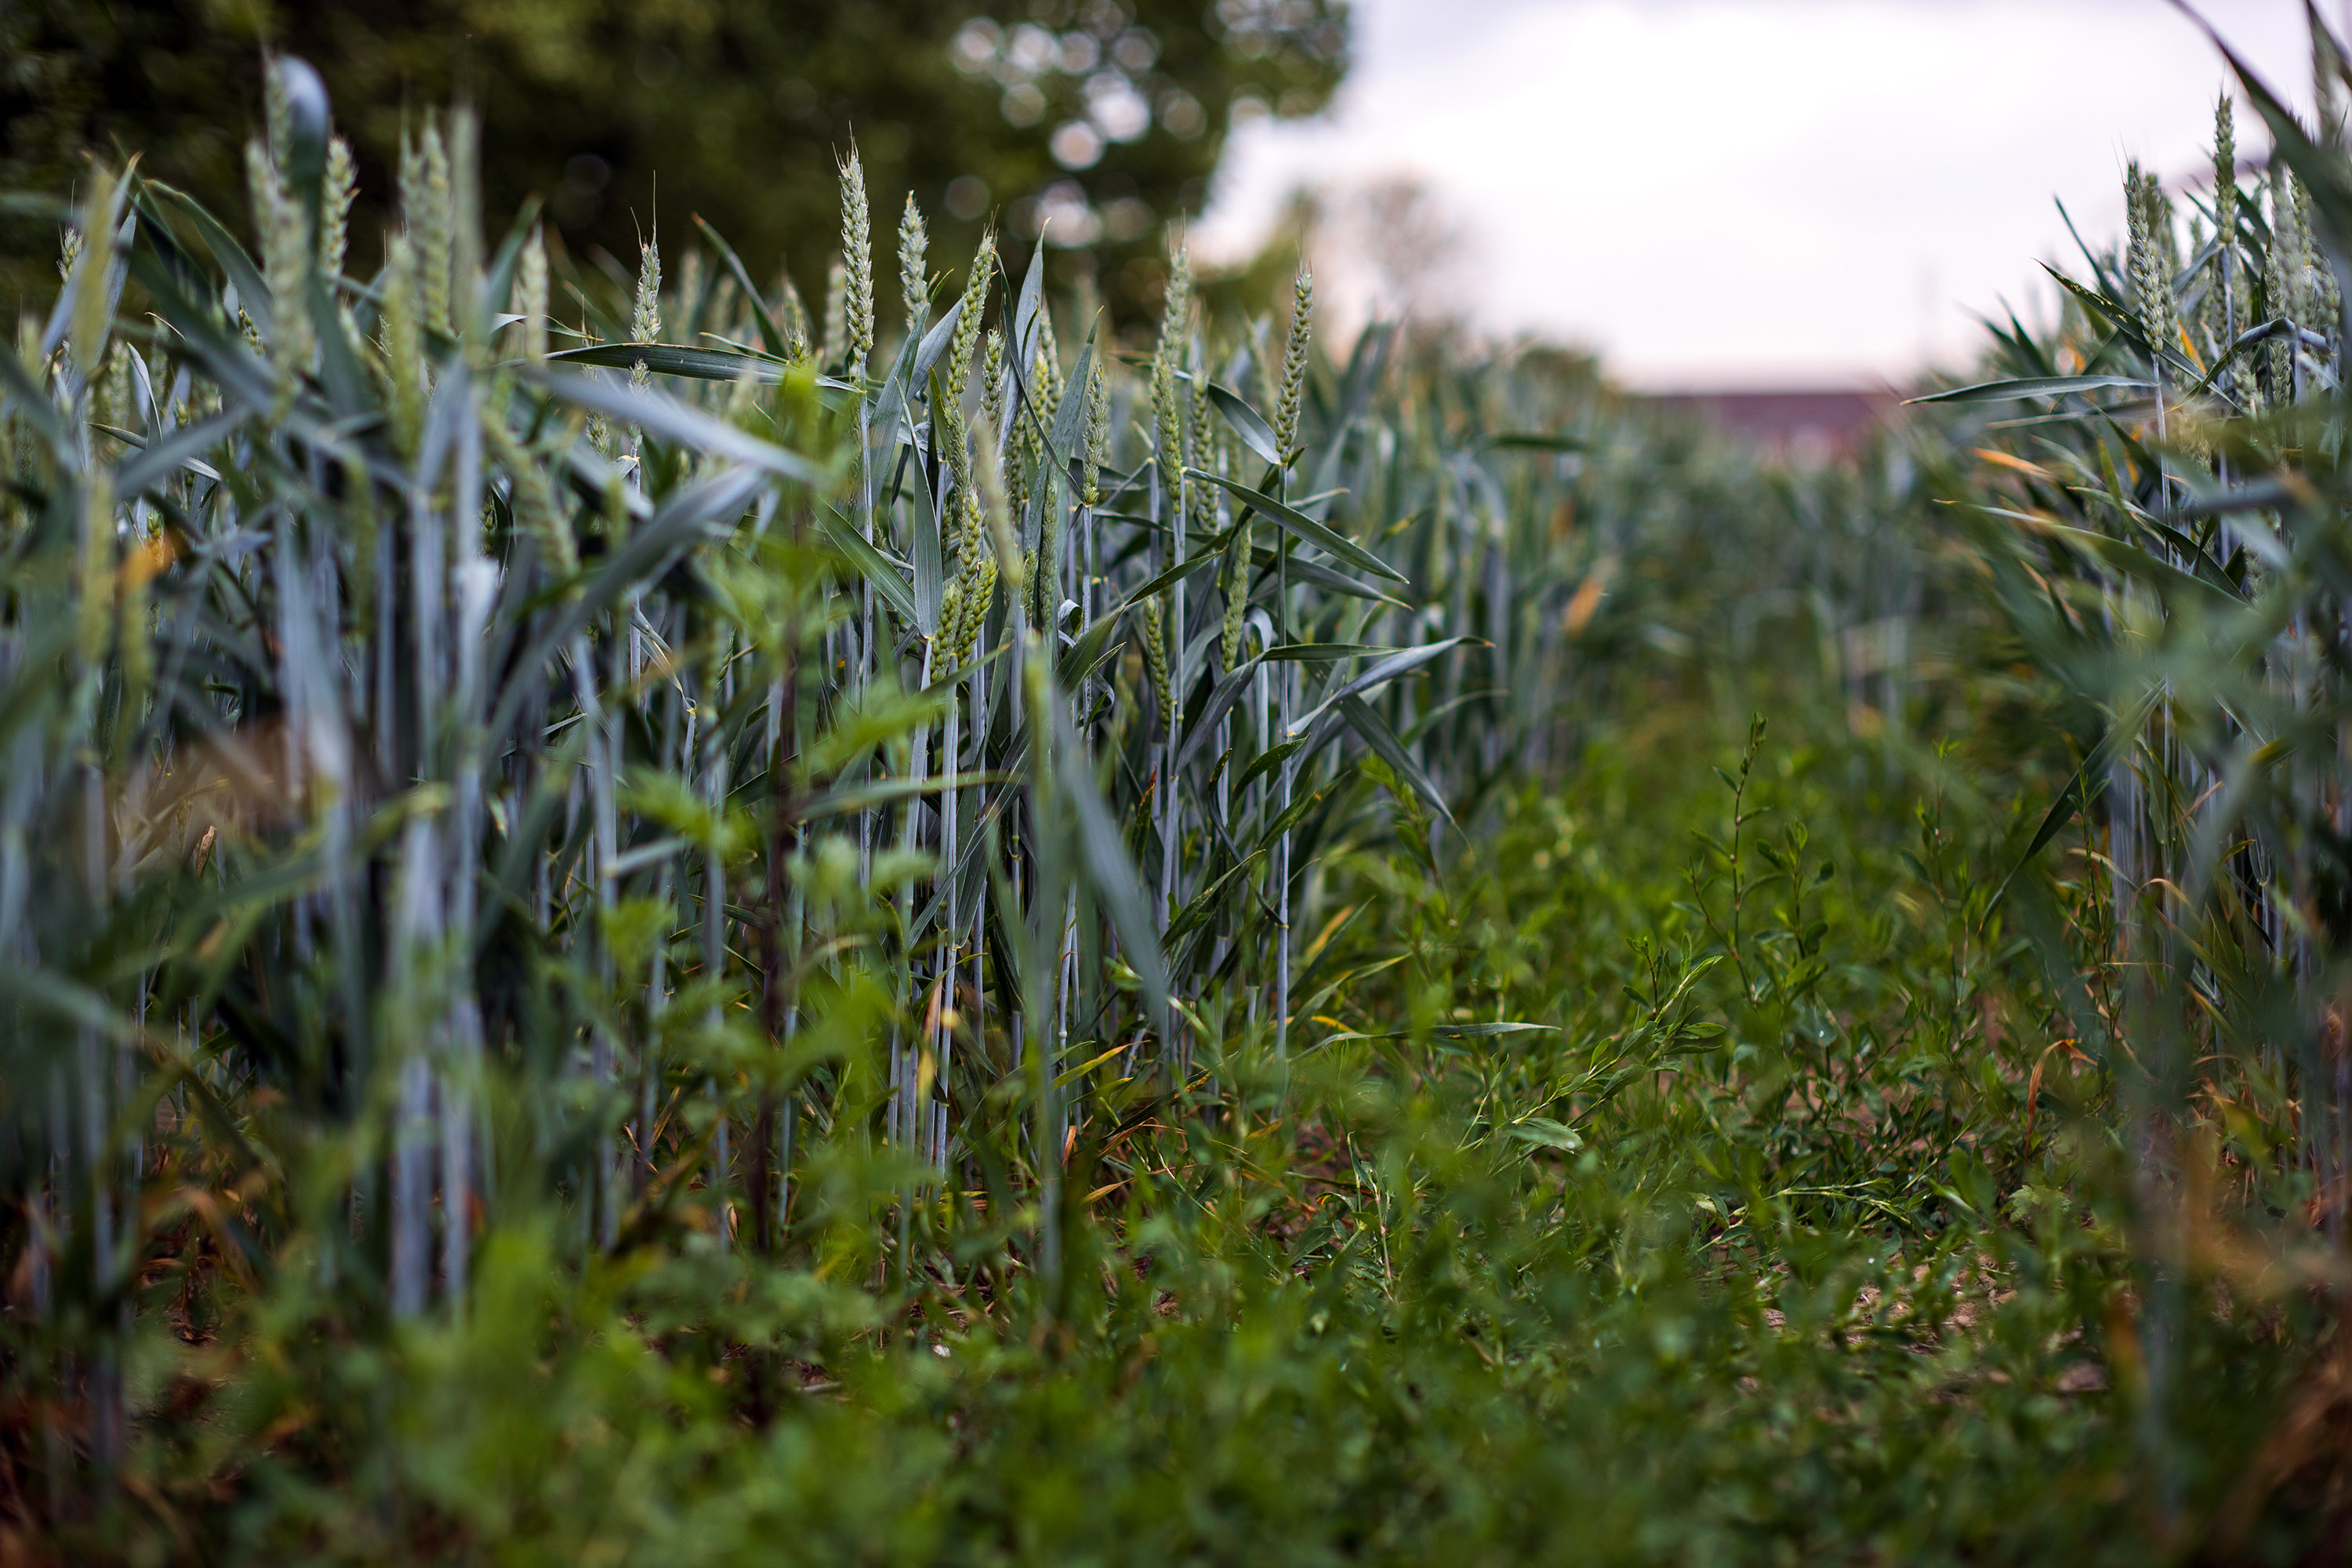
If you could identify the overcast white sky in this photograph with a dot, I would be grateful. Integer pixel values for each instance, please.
(1717, 193)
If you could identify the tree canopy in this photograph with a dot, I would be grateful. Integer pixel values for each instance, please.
(1099, 120)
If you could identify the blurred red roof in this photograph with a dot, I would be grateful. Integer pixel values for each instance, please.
(1803, 424)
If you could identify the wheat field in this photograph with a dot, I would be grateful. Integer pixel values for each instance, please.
(642, 922)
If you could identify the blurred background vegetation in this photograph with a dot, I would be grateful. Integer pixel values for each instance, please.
(1097, 119)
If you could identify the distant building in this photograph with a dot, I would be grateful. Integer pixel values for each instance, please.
(1808, 426)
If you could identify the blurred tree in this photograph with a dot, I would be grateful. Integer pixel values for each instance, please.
(1100, 119)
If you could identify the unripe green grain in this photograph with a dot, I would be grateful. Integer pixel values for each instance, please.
(2280, 271)
(857, 262)
(971, 542)
(2225, 172)
(1238, 577)
(2159, 322)
(1051, 380)
(1293, 363)
(403, 343)
(914, 241)
(1175, 319)
(115, 406)
(963, 606)
(950, 619)
(1051, 389)
(645, 322)
(1201, 452)
(1155, 656)
(992, 380)
(535, 503)
(975, 306)
(531, 285)
(793, 318)
(335, 209)
(1097, 449)
(975, 608)
(286, 251)
(437, 231)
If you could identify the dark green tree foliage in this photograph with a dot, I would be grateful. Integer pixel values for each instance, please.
(1106, 116)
